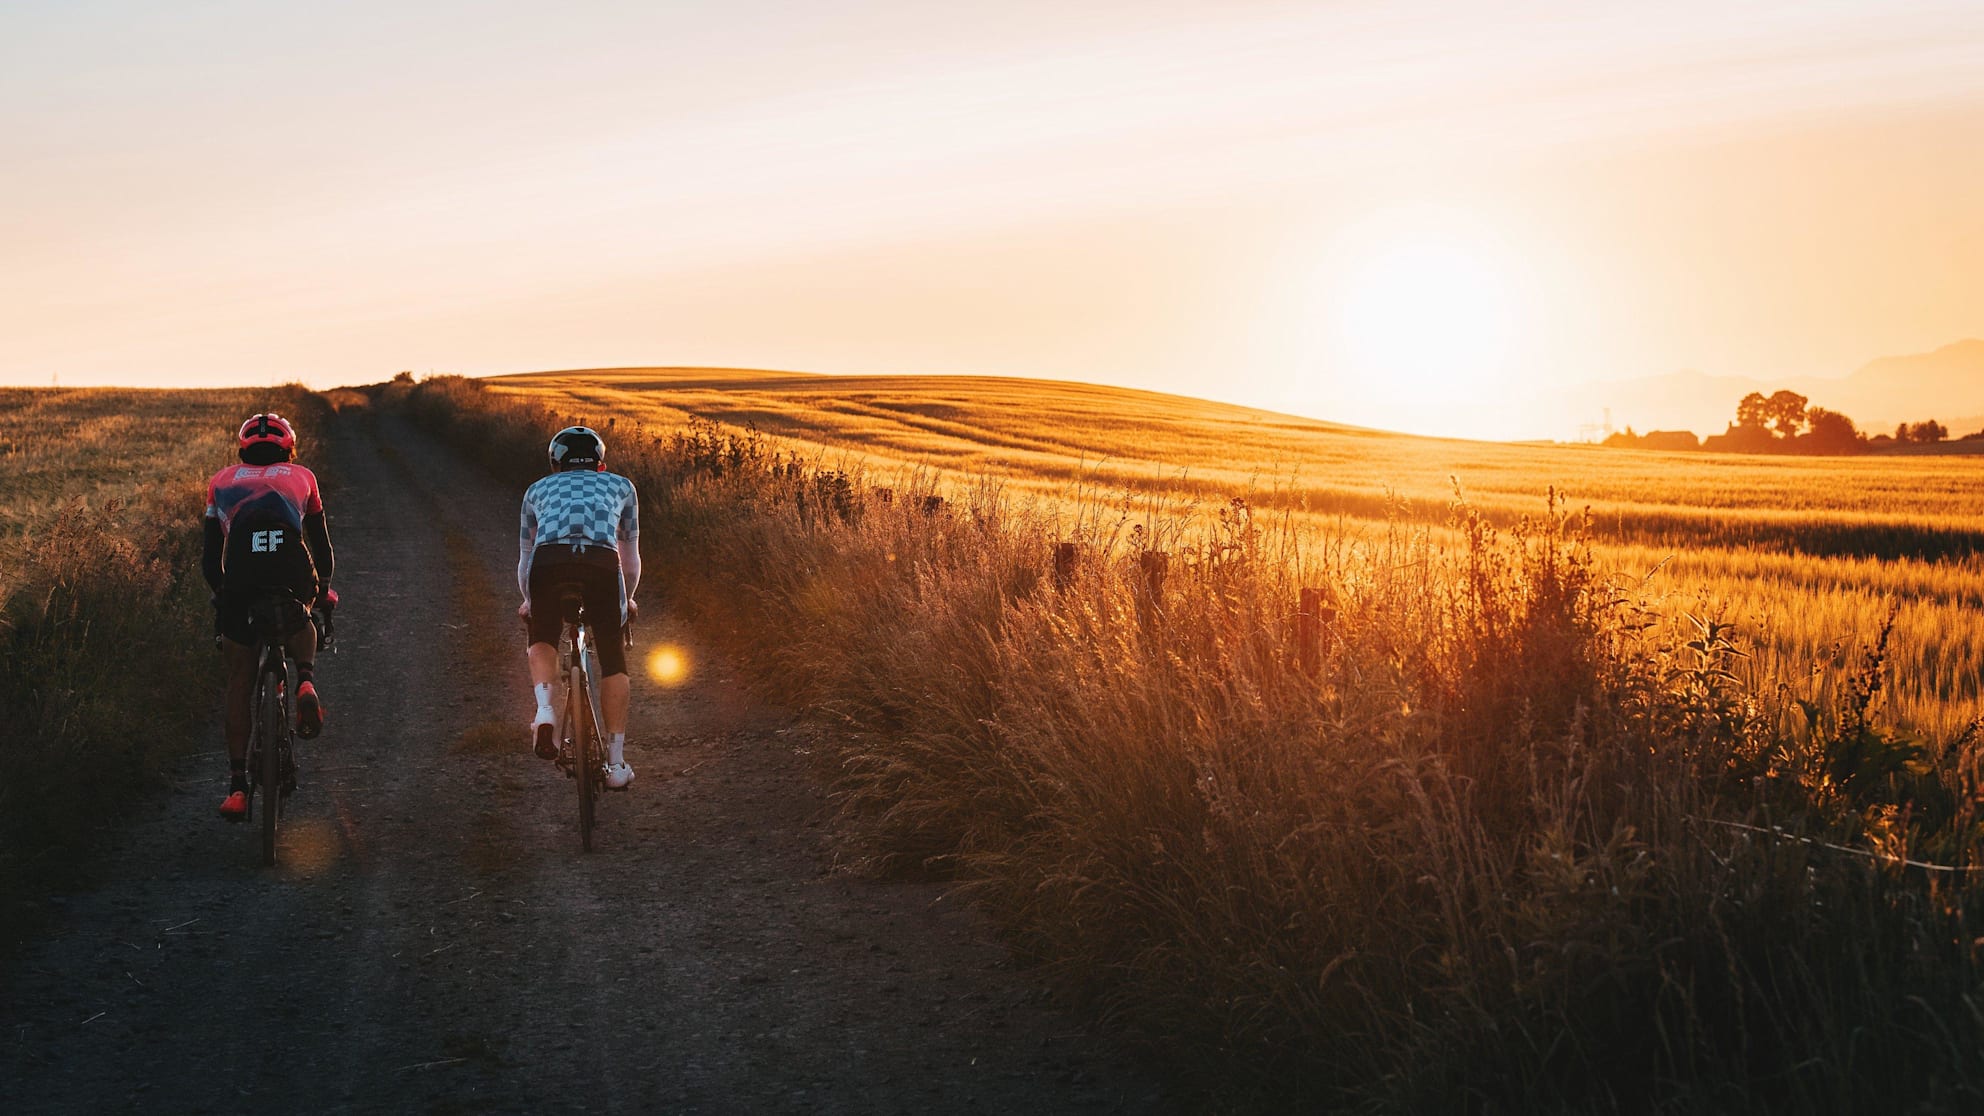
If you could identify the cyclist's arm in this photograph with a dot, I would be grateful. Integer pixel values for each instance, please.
(213, 543)
(630, 566)
(526, 540)
(630, 543)
(317, 538)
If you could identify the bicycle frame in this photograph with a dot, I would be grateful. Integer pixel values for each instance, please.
(581, 750)
(272, 714)
(271, 759)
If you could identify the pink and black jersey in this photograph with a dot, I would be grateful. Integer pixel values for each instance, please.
(260, 510)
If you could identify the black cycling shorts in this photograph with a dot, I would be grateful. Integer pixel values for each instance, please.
(233, 609)
(595, 573)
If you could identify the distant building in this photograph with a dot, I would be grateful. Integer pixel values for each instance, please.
(1670, 440)
(1654, 440)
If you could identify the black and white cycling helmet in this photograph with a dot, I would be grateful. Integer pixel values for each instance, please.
(577, 447)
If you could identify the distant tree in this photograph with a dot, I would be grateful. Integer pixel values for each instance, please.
(1832, 432)
(1786, 412)
(403, 377)
(1902, 433)
(1752, 411)
(1928, 431)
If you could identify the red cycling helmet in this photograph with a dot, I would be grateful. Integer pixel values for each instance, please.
(269, 429)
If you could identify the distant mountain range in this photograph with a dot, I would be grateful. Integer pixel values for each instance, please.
(1946, 385)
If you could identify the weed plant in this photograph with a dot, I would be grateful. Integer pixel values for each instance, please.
(1497, 837)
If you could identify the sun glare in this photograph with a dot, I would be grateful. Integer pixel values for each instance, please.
(1428, 315)
(1424, 317)
(668, 665)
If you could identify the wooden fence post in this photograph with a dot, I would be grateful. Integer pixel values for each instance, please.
(1313, 620)
(1064, 565)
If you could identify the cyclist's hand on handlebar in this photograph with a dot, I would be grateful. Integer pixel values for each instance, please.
(633, 609)
(329, 601)
(523, 610)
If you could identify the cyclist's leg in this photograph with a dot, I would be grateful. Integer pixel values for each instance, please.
(542, 630)
(239, 663)
(302, 646)
(543, 659)
(603, 605)
(238, 668)
(602, 597)
(613, 701)
(300, 643)
(543, 627)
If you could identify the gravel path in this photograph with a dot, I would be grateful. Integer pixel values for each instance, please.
(433, 941)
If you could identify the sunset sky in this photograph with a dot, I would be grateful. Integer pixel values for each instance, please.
(1433, 217)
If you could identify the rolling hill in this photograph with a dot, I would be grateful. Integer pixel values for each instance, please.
(1808, 549)
(1039, 436)
(1946, 384)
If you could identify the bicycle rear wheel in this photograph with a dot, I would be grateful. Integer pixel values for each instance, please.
(585, 754)
(270, 733)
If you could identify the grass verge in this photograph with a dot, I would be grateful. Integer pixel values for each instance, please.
(104, 623)
(1497, 838)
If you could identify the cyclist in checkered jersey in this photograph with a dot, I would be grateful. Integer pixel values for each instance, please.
(580, 528)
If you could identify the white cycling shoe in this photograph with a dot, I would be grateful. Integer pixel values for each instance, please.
(618, 775)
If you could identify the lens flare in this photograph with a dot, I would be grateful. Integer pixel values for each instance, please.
(668, 665)
(310, 845)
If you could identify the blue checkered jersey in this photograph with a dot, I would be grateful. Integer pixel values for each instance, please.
(579, 508)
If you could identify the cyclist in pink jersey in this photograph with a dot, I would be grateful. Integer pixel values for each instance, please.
(265, 537)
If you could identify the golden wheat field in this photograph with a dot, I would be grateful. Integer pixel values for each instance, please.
(104, 629)
(145, 453)
(1806, 555)
(1481, 826)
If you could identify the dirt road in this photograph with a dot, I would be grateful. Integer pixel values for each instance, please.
(433, 941)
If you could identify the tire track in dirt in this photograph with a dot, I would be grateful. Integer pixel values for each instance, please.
(433, 941)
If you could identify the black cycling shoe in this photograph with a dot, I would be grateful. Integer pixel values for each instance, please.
(545, 747)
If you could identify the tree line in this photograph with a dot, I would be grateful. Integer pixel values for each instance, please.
(1785, 422)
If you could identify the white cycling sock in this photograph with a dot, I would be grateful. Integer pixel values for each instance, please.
(543, 701)
(616, 743)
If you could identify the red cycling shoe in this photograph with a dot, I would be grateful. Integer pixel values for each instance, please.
(309, 711)
(235, 806)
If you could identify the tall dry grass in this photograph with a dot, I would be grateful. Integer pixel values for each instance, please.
(1512, 841)
(1803, 553)
(105, 630)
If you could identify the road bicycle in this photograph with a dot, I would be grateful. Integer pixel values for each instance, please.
(272, 725)
(581, 742)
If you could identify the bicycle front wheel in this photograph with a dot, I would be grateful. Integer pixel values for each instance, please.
(585, 755)
(271, 734)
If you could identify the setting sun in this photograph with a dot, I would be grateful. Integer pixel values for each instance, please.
(1424, 312)
(1428, 315)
